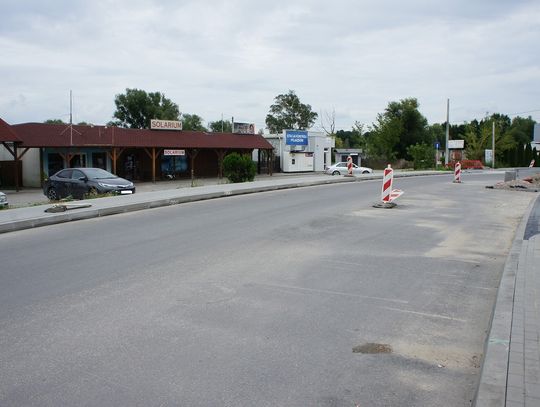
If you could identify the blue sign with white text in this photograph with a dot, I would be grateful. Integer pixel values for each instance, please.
(296, 137)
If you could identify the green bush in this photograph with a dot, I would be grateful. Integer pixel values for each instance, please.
(423, 156)
(239, 168)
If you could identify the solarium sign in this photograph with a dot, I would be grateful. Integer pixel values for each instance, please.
(296, 137)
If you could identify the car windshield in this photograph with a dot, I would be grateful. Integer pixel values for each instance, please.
(98, 173)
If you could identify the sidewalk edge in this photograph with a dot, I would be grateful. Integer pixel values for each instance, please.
(491, 389)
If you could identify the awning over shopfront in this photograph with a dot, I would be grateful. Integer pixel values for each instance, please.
(115, 140)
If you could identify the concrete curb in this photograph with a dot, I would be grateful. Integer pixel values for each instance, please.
(40, 218)
(491, 389)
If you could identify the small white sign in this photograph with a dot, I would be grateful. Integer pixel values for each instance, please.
(174, 152)
(456, 144)
(488, 156)
(156, 124)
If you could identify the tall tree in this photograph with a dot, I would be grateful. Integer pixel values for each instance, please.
(521, 129)
(221, 126)
(288, 112)
(136, 108)
(354, 138)
(328, 123)
(399, 127)
(478, 137)
(192, 122)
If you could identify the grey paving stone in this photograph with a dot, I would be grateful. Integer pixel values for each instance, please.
(515, 394)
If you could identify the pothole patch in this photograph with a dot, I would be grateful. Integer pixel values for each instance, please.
(371, 348)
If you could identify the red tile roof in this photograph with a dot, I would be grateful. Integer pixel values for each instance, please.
(7, 133)
(62, 135)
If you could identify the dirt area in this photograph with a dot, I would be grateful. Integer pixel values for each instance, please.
(531, 184)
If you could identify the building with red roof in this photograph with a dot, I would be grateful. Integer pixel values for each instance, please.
(136, 154)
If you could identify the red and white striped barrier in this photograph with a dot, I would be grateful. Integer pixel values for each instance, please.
(388, 194)
(457, 173)
(349, 165)
(388, 179)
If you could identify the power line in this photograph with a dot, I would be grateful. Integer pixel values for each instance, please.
(529, 111)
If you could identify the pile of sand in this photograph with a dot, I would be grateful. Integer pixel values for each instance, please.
(531, 184)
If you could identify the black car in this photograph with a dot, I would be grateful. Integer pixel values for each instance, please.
(78, 182)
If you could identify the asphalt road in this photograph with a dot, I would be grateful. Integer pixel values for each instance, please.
(260, 300)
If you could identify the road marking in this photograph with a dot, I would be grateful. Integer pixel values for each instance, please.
(470, 286)
(314, 290)
(426, 314)
(443, 274)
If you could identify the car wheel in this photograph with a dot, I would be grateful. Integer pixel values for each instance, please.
(336, 173)
(92, 192)
(52, 194)
(365, 172)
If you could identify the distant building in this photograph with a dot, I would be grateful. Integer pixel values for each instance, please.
(341, 154)
(302, 150)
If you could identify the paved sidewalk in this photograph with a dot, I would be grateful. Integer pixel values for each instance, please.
(153, 195)
(511, 370)
(35, 216)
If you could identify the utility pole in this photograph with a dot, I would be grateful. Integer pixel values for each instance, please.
(70, 117)
(493, 143)
(447, 131)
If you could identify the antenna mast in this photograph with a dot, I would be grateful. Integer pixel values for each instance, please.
(70, 117)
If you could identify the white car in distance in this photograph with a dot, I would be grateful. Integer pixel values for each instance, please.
(341, 169)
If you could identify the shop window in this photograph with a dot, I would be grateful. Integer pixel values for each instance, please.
(173, 165)
(55, 163)
(99, 160)
(78, 160)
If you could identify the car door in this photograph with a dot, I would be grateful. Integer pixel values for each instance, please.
(78, 184)
(61, 183)
(342, 168)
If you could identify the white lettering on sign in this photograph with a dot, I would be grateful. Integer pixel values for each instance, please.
(156, 124)
(174, 152)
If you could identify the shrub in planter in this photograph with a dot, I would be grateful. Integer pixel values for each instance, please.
(239, 168)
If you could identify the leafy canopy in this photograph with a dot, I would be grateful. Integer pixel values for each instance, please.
(400, 126)
(221, 126)
(192, 122)
(288, 112)
(136, 108)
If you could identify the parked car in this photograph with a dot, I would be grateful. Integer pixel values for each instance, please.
(77, 182)
(341, 169)
(3, 200)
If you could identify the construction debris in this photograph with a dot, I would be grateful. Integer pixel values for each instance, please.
(530, 184)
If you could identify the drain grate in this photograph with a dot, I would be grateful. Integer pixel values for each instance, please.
(372, 348)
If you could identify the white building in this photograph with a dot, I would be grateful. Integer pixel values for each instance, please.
(302, 150)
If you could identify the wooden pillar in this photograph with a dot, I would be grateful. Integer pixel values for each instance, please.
(16, 167)
(154, 165)
(113, 155)
(221, 155)
(271, 161)
(153, 156)
(192, 154)
(114, 158)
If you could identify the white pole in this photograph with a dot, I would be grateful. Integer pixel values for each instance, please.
(447, 130)
(493, 143)
(70, 117)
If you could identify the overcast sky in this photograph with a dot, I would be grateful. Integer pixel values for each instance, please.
(232, 57)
